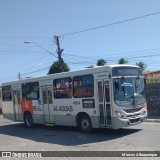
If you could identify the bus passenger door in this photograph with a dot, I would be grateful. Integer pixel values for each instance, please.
(17, 104)
(104, 102)
(47, 103)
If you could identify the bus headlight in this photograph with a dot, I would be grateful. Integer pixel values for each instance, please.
(119, 114)
(144, 112)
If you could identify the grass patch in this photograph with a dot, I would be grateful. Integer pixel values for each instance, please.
(153, 120)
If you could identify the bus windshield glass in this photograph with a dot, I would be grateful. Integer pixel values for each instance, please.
(129, 91)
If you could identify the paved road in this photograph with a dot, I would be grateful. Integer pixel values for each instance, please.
(16, 137)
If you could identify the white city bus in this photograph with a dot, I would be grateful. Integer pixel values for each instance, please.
(101, 97)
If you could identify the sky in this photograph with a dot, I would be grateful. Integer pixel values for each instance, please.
(38, 21)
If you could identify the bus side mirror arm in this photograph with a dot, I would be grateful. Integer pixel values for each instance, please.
(145, 81)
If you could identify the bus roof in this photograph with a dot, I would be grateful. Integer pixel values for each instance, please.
(92, 70)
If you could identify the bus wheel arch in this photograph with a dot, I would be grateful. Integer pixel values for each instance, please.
(84, 122)
(28, 119)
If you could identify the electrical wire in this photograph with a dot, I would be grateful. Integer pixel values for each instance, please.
(111, 24)
(16, 37)
(86, 30)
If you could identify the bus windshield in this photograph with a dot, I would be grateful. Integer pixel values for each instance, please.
(129, 71)
(129, 91)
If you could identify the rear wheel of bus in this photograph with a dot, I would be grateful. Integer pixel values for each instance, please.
(28, 120)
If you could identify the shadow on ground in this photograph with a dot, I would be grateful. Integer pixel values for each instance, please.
(68, 136)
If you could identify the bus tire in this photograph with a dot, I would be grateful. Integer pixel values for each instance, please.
(28, 120)
(85, 124)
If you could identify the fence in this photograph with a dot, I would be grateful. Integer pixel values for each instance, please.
(152, 91)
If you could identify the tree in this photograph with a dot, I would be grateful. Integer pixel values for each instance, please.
(122, 61)
(55, 68)
(141, 65)
(101, 62)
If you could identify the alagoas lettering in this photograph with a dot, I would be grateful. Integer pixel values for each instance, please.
(63, 108)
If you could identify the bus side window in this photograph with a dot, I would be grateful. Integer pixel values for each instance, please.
(83, 86)
(32, 90)
(6, 93)
(62, 88)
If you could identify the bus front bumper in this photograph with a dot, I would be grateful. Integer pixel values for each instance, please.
(120, 123)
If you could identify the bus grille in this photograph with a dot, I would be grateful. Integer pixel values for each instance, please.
(133, 110)
(134, 120)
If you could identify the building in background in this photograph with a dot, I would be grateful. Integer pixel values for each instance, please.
(152, 76)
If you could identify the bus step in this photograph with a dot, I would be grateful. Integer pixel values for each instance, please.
(49, 124)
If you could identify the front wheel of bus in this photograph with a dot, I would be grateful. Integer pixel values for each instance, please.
(85, 124)
(28, 120)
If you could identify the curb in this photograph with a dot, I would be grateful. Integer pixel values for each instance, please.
(153, 120)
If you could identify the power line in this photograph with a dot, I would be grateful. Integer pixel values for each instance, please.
(14, 77)
(114, 59)
(117, 54)
(44, 68)
(92, 61)
(22, 37)
(23, 52)
(20, 46)
(111, 24)
(78, 63)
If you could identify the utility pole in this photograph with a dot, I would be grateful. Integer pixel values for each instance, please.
(59, 52)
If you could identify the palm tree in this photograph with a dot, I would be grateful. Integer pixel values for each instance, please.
(101, 62)
(122, 61)
(141, 65)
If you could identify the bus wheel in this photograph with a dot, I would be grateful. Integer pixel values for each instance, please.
(85, 124)
(28, 120)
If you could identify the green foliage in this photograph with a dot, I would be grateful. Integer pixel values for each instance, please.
(101, 62)
(55, 68)
(122, 61)
(141, 65)
(151, 81)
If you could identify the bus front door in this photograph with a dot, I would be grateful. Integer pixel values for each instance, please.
(47, 104)
(17, 104)
(104, 102)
